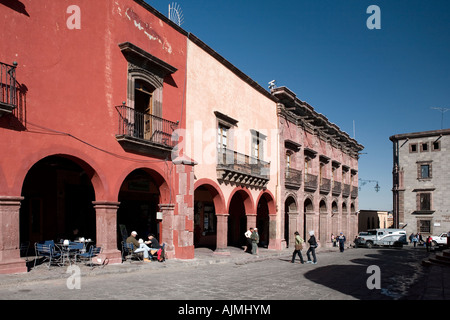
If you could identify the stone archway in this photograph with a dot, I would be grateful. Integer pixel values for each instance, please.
(290, 220)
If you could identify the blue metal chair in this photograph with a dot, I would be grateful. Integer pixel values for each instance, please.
(47, 250)
(128, 251)
(74, 249)
(93, 252)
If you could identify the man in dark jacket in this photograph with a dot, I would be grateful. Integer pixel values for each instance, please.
(312, 248)
(341, 240)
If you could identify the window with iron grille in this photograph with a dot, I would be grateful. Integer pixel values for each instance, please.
(8, 86)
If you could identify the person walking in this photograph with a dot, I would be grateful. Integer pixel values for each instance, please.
(312, 248)
(255, 241)
(341, 239)
(298, 248)
(428, 243)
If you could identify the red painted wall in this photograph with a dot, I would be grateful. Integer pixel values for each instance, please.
(74, 80)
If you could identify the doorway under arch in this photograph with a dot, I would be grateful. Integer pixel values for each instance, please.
(139, 199)
(58, 198)
(290, 207)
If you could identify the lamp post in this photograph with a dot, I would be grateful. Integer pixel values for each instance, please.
(363, 182)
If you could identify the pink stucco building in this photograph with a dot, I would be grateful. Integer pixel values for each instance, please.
(264, 159)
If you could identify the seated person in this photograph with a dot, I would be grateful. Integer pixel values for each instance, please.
(141, 247)
(154, 245)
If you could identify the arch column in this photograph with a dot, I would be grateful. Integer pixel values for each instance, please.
(222, 234)
(106, 224)
(274, 243)
(10, 261)
(167, 233)
(293, 226)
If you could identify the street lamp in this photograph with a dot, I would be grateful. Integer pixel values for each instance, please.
(363, 182)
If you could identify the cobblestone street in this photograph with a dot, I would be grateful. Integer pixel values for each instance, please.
(336, 276)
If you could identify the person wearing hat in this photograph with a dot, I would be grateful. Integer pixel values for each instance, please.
(312, 248)
(141, 247)
(341, 239)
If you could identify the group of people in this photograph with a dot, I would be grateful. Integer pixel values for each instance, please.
(149, 248)
(339, 240)
(252, 240)
(313, 245)
(416, 239)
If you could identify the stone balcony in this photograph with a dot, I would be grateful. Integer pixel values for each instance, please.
(240, 169)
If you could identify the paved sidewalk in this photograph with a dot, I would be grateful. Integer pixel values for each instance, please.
(434, 284)
(203, 256)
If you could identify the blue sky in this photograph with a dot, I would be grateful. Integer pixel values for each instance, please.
(371, 83)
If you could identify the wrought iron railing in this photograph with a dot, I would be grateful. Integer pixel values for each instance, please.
(146, 127)
(336, 188)
(243, 163)
(293, 177)
(310, 181)
(325, 185)
(354, 192)
(346, 190)
(8, 86)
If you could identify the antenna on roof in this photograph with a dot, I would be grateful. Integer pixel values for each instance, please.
(443, 110)
(175, 13)
(272, 84)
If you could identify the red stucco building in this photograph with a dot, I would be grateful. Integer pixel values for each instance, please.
(103, 104)
(90, 97)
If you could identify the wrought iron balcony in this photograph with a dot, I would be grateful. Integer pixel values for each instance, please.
(293, 178)
(325, 185)
(143, 132)
(310, 182)
(336, 188)
(8, 88)
(354, 192)
(242, 169)
(346, 190)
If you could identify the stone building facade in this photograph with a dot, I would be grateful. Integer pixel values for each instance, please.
(421, 178)
(318, 172)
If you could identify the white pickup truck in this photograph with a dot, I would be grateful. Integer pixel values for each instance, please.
(382, 237)
(440, 239)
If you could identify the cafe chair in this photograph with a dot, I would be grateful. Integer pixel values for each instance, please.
(47, 251)
(92, 253)
(74, 249)
(128, 251)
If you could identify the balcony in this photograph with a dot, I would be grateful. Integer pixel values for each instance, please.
(241, 169)
(354, 192)
(325, 186)
(346, 190)
(8, 88)
(310, 182)
(336, 189)
(145, 133)
(293, 178)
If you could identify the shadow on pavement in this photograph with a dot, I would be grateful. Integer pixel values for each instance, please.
(399, 269)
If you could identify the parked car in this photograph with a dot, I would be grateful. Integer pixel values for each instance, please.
(439, 240)
(382, 237)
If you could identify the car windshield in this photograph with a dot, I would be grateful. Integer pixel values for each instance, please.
(372, 232)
